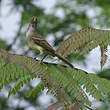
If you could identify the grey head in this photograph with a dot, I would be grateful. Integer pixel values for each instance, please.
(32, 26)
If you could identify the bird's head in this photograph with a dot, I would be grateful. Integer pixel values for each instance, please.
(33, 24)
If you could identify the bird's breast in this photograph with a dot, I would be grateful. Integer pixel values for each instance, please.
(34, 46)
(28, 34)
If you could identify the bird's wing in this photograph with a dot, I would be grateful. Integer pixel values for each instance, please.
(43, 43)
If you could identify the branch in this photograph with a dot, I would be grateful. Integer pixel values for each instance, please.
(39, 69)
(10, 59)
(51, 74)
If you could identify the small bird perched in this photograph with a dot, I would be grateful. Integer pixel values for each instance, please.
(36, 42)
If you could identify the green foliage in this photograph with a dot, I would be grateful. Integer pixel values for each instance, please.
(2, 44)
(104, 74)
(85, 81)
(105, 3)
(13, 73)
(101, 83)
(20, 83)
(4, 103)
(86, 40)
(35, 91)
(65, 83)
(75, 17)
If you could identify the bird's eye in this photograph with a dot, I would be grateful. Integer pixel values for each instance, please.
(33, 25)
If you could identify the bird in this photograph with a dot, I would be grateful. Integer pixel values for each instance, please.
(39, 44)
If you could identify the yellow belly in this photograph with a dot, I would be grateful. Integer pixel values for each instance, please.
(35, 47)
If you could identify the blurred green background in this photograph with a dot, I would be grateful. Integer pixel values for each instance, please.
(56, 19)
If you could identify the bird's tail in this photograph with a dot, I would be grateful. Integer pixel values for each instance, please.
(64, 60)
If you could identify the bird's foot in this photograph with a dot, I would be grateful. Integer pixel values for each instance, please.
(43, 58)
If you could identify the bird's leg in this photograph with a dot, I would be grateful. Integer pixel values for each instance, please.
(36, 57)
(43, 58)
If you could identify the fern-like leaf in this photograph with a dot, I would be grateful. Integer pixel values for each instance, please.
(65, 83)
(35, 91)
(87, 39)
(19, 84)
